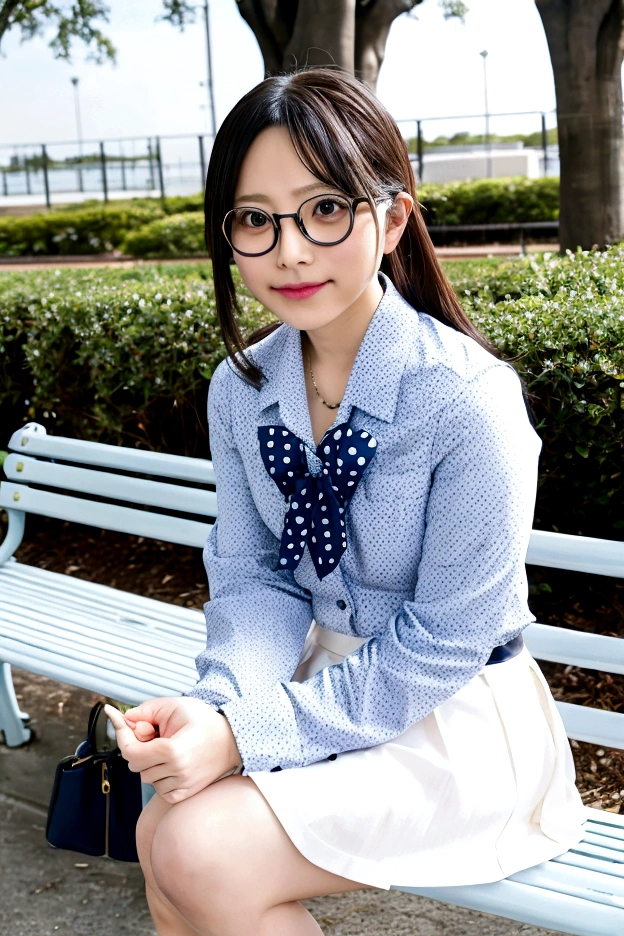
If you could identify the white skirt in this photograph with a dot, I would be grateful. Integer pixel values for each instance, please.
(477, 790)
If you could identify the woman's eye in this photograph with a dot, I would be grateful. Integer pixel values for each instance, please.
(253, 219)
(329, 207)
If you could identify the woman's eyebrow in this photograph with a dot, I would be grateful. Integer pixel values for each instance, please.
(258, 197)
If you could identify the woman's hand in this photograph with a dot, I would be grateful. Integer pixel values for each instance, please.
(179, 745)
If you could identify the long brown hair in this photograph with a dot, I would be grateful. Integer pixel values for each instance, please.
(345, 137)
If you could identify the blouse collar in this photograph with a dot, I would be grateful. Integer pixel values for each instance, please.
(375, 379)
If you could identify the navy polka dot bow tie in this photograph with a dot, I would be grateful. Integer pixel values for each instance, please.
(315, 513)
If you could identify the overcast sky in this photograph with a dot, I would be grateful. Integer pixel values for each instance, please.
(432, 68)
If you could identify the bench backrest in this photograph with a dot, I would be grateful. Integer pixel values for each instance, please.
(108, 478)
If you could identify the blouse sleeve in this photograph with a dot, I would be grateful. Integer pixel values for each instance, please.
(256, 619)
(470, 595)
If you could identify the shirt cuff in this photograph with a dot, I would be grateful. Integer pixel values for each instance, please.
(265, 730)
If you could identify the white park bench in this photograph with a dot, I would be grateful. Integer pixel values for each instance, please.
(133, 648)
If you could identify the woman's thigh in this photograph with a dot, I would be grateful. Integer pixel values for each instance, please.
(226, 845)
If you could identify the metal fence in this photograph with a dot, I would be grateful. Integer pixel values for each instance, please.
(176, 164)
(479, 145)
(123, 168)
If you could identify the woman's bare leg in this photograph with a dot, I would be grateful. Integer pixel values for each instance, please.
(221, 864)
(167, 920)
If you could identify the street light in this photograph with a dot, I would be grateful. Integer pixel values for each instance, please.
(484, 56)
(75, 81)
(209, 83)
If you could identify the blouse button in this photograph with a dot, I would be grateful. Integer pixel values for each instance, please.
(341, 604)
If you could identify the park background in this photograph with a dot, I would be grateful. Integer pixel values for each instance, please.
(108, 330)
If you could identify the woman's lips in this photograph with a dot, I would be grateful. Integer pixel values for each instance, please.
(300, 290)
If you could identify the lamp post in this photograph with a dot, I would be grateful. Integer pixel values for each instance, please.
(484, 56)
(75, 81)
(209, 82)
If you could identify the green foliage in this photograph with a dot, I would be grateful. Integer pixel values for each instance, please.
(71, 21)
(465, 138)
(92, 230)
(561, 319)
(178, 235)
(110, 355)
(124, 356)
(173, 227)
(490, 201)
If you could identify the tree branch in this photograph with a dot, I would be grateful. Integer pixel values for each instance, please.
(74, 21)
(323, 34)
(6, 12)
(373, 22)
(254, 15)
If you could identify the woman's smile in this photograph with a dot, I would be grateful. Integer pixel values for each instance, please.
(300, 290)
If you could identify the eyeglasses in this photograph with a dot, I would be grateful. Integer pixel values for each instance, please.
(325, 220)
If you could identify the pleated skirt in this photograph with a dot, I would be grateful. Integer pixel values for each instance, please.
(479, 789)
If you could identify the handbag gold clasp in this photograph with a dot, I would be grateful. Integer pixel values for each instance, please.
(105, 781)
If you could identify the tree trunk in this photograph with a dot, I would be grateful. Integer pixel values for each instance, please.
(586, 42)
(351, 34)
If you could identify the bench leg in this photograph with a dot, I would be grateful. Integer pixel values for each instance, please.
(11, 718)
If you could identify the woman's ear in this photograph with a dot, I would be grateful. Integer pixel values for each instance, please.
(396, 220)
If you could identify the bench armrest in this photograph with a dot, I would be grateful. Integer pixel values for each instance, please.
(15, 534)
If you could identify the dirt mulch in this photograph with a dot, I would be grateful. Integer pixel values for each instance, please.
(176, 574)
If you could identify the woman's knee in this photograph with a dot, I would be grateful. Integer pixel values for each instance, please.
(148, 822)
(194, 845)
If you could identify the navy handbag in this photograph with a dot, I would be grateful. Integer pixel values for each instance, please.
(96, 800)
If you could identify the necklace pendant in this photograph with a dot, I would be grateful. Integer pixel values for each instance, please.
(330, 405)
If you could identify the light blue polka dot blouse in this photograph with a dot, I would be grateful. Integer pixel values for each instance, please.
(437, 534)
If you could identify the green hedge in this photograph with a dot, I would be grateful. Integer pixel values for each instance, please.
(178, 235)
(171, 227)
(89, 231)
(490, 201)
(125, 357)
(562, 321)
(113, 356)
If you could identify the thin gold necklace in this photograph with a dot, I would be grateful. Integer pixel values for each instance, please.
(324, 402)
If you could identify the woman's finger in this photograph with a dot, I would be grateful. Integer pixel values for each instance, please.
(144, 731)
(161, 773)
(125, 735)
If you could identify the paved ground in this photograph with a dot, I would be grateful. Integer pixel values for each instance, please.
(44, 892)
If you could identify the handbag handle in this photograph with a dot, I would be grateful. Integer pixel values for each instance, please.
(94, 715)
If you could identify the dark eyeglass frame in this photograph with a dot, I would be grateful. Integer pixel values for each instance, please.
(276, 219)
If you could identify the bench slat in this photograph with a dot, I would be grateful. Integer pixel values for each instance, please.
(93, 677)
(102, 644)
(616, 845)
(577, 882)
(105, 516)
(595, 726)
(575, 648)
(599, 851)
(117, 487)
(600, 818)
(53, 614)
(577, 553)
(590, 863)
(61, 587)
(37, 442)
(534, 905)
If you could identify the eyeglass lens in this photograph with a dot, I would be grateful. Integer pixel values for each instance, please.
(326, 219)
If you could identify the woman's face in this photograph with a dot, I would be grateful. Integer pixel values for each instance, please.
(273, 178)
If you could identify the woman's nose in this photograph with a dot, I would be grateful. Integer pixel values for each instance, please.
(292, 247)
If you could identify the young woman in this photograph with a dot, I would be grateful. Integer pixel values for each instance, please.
(365, 700)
